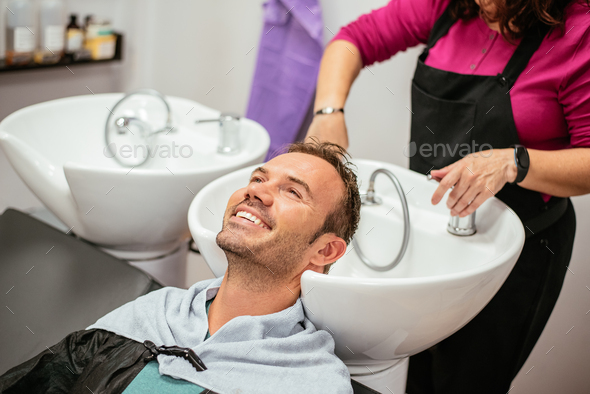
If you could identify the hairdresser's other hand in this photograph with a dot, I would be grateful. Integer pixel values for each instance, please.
(329, 127)
(475, 178)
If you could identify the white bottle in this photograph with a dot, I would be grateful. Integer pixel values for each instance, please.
(20, 31)
(52, 31)
(2, 31)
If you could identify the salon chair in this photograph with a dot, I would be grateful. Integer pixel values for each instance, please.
(54, 283)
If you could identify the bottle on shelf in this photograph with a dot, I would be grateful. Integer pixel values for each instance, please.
(100, 40)
(87, 19)
(52, 31)
(74, 36)
(20, 32)
(83, 53)
(3, 12)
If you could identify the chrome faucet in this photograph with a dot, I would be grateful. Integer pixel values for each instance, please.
(122, 123)
(229, 132)
(371, 199)
(461, 226)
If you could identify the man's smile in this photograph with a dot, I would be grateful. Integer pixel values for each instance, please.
(247, 215)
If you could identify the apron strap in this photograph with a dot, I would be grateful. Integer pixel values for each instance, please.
(523, 53)
(440, 28)
(520, 58)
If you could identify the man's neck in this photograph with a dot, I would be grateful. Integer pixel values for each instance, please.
(233, 299)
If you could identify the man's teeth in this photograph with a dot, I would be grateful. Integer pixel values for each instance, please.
(252, 218)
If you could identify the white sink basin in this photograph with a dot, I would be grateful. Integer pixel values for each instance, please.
(442, 282)
(57, 148)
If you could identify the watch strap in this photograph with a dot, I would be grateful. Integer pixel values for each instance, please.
(521, 159)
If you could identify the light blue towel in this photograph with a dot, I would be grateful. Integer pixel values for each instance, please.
(277, 353)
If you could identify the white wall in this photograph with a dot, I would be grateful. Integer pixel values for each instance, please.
(184, 47)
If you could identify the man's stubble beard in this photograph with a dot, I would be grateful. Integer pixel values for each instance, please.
(264, 265)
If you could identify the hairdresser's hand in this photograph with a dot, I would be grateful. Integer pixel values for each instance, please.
(475, 178)
(329, 127)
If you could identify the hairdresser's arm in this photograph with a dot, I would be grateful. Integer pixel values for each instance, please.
(373, 37)
(339, 68)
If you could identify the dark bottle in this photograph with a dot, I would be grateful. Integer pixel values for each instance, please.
(74, 36)
(73, 22)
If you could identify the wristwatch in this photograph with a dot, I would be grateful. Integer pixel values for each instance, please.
(522, 161)
(329, 110)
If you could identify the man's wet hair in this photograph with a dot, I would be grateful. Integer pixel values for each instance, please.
(344, 218)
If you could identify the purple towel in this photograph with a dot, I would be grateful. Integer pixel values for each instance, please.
(288, 62)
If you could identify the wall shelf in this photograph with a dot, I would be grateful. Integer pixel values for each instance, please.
(67, 61)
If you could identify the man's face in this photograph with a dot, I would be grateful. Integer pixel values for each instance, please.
(290, 197)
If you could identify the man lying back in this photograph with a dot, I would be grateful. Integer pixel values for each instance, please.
(243, 333)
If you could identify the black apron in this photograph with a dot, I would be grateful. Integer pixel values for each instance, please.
(455, 114)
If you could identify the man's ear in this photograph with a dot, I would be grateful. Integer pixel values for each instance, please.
(325, 250)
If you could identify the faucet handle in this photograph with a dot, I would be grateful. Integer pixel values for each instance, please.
(462, 226)
(229, 133)
(227, 116)
(458, 225)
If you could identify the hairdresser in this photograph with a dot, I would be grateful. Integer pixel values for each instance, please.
(510, 75)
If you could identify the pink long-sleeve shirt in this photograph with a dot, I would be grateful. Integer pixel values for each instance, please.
(550, 99)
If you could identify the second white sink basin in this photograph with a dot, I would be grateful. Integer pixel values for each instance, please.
(442, 282)
(57, 148)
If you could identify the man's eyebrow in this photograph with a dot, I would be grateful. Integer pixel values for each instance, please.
(260, 169)
(302, 183)
(290, 178)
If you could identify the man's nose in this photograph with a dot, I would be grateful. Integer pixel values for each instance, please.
(259, 191)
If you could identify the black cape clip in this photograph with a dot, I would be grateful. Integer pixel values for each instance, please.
(186, 353)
